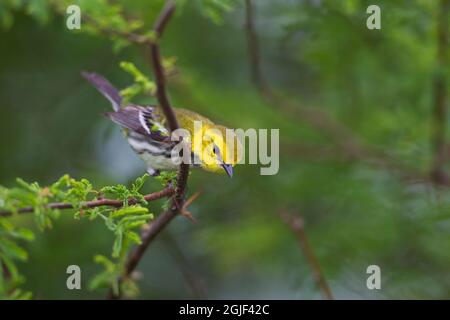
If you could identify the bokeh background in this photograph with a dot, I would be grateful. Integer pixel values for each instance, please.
(358, 113)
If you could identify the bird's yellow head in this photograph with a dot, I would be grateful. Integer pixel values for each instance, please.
(217, 148)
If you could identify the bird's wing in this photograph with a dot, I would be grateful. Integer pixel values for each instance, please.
(105, 88)
(142, 120)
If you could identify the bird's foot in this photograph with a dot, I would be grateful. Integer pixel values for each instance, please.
(153, 172)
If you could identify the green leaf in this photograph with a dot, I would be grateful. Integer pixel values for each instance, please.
(18, 294)
(167, 177)
(32, 187)
(129, 211)
(93, 213)
(215, 9)
(12, 250)
(101, 280)
(144, 217)
(12, 269)
(117, 246)
(110, 224)
(141, 85)
(107, 264)
(139, 182)
(39, 9)
(135, 224)
(133, 237)
(23, 233)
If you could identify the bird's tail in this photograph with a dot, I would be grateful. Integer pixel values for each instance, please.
(105, 88)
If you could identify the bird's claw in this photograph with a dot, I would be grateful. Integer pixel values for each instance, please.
(153, 172)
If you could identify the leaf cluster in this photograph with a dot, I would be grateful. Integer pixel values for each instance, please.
(123, 222)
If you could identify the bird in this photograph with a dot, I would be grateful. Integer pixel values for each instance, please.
(146, 131)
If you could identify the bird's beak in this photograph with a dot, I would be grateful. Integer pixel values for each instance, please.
(228, 169)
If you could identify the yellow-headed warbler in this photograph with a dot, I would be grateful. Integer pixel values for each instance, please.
(212, 147)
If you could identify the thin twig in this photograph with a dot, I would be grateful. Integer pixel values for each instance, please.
(167, 192)
(296, 223)
(158, 69)
(184, 209)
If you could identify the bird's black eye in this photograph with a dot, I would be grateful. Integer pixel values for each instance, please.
(215, 150)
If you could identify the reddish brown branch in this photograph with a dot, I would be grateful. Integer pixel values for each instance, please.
(297, 225)
(158, 68)
(156, 226)
(167, 192)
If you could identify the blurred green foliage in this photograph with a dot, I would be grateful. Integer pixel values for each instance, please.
(378, 83)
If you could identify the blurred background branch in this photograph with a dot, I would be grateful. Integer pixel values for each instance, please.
(440, 96)
(297, 226)
(193, 279)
